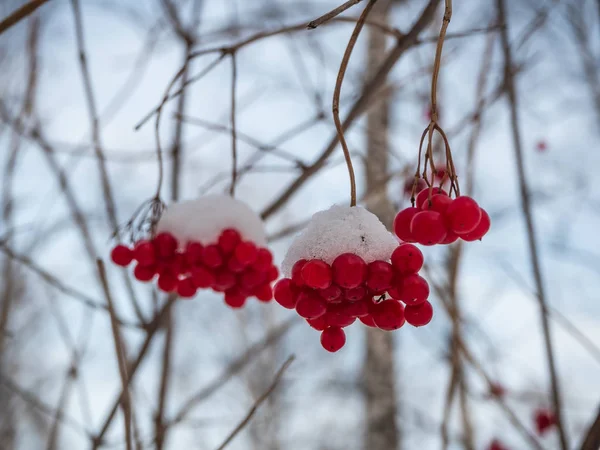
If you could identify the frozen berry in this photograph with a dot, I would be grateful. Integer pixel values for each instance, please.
(402, 224)
(463, 215)
(234, 298)
(355, 294)
(202, 277)
(316, 274)
(310, 306)
(264, 259)
(388, 315)
(296, 274)
(228, 240)
(165, 245)
(284, 293)
(212, 256)
(264, 292)
(428, 228)
(349, 270)
(144, 273)
(186, 288)
(332, 294)
(368, 321)
(167, 281)
(333, 339)
(407, 259)
(480, 230)
(319, 324)
(419, 315)
(121, 255)
(143, 252)
(439, 203)
(424, 195)
(223, 281)
(246, 252)
(379, 275)
(414, 290)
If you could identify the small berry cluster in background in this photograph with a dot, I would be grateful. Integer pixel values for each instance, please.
(544, 420)
(440, 219)
(496, 445)
(380, 294)
(236, 267)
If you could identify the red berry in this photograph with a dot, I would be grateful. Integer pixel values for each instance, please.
(144, 273)
(388, 315)
(419, 315)
(234, 266)
(402, 224)
(310, 306)
(228, 240)
(414, 290)
(264, 259)
(440, 172)
(396, 291)
(319, 324)
(333, 339)
(428, 228)
(272, 273)
(252, 278)
(463, 215)
(368, 321)
(424, 195)
(212, 256)
(121, 255)
(332, 294)
(143, 252)
(451, 237)
(480, 230)
(349, 270)
(544, 419)
(356, 309)
(193, 253)
(235, 298)
(165, 244)
(264, 293)
(179, 264)
(355, 294)
(223, 281)
(202, 277)
(186, 288)
(497, 390)
(379, 276)
(496, 445)
(246, 252)
(334, 319)
(285, 294)
(439, 203)
(296, 274)
(167, 281)
(316, 274)
(407, 259)
(408, 186)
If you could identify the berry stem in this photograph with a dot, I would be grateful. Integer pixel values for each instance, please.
(337, 92)
(438, 58)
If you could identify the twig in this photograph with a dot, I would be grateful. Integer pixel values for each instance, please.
(20, 14)
(120, 352)
(337, 92)
(331, 14)
(257, 404)
(528, 216)
(591, 440)
(233, 129)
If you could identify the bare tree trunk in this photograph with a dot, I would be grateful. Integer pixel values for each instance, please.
(382, 431)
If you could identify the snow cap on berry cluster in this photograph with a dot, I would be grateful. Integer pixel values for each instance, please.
(341, 229)
(204, 219)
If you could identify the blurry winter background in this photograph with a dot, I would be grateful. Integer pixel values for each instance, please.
(197, 371)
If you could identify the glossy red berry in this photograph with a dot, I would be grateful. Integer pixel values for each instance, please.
(252, 278)
(212, 256)
(246, 252)
(368, 321)
(121, 255)
(428, 228)
(296, 274)
(379, 275)
(224, 280)
(463, 215)
(424, 195)
(264, 292)
(234, 266)
(355, 294)
(235, 298)
(316, 274)
(228, 240)
(480, 230)
(310, 306)
(333, 294)
(167, 281)
(414, 290)
(144, 273)
(419, 315)
(349, 270)
(396, 291)
(144, 253)
(193, 253)
(272, 273)
(388, 315)
(264, 259)
(285, 294)
(334, 319)
(319, 324)
(356, 309)
(333, 339)
(402, 224)
(439, 203)
(186, 288)
(407, 259)
(165, 245)
(202, 277)
(451, 237)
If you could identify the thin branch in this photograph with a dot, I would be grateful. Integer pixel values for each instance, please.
(234, 155)
(331, 14)
(20, 14)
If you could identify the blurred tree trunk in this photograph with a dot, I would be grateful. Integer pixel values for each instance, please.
(382, 432)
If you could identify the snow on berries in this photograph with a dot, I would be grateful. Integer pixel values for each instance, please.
(436, 218)
(214, 242)
(346, 266)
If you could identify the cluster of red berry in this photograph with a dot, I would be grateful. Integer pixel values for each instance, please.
(236, 267)
(331, 297)
(441, 220)
(544, 420)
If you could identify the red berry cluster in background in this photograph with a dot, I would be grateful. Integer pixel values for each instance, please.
(332, 297)
(544, 420)
(441, 219)
(238, 268)
(496, 445)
